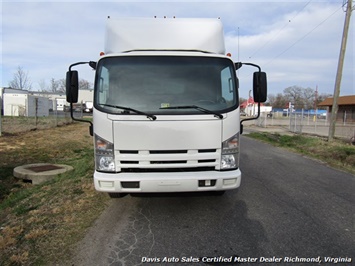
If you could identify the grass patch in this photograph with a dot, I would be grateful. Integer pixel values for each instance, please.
(336, 154)
(40, 224)
(16, 124)
(5, 178)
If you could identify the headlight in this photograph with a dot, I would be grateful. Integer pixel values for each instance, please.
(104, 155)
(230, 153)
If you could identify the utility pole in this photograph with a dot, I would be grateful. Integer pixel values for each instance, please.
(334, 113)
(316, 99)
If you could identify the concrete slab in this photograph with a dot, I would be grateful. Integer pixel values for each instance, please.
(40, 172)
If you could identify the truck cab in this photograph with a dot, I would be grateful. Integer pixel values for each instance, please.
(166, 114)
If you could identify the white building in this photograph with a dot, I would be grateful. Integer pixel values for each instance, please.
(252, 109)
(58, 100)
(21, 102)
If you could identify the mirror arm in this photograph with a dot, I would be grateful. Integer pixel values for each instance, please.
(91, 127)
(254, 117)
(239, 65)
(250, 118)
(254, 65)
(78, 63)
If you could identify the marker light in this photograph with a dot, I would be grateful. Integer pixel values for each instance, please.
(102, 53)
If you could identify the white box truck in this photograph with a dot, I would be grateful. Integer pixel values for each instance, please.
(166, 107)
(88, 106)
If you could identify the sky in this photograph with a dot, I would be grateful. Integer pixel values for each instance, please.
(297, 43)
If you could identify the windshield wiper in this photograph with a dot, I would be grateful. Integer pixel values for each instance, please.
(206, 111)
(128, 109)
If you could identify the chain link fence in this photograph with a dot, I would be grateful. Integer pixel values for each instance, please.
(23, 116)
(305, 123)
(298, 123)
(16, 124)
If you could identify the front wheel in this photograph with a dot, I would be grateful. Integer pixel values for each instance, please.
(219, 192)
(117, 195)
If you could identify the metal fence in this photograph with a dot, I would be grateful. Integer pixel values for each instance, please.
(15, 124)
(296, 123)
(304, 122)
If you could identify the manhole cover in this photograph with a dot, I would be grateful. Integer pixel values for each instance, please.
(43, 168)
(40, 172)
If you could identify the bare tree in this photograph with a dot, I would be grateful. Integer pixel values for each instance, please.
(42, 85)
(84, 84)
(54, 85)
(278, 101)
(62, 85)
(21, 80)
(59, 85)
(323, 96)
(300, 97)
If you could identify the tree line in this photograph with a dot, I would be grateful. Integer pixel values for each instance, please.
(299, 97)
(22, 81)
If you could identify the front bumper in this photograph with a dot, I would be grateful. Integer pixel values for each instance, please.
(167, 182)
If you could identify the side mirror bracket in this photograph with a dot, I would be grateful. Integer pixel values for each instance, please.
(72, 91)
(259, 89)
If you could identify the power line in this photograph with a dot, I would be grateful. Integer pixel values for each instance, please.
(345, 2)
(292, 45)
(344, 5)
(278, 33)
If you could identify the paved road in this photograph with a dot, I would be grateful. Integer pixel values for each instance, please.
(289, 208)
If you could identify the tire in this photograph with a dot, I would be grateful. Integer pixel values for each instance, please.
(117, 195)
(219, 193)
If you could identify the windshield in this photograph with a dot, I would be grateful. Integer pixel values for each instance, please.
(156, 84)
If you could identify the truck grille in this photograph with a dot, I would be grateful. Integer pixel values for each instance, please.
(167, 160)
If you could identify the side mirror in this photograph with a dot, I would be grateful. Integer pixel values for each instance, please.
(260, 87)
(72, 86)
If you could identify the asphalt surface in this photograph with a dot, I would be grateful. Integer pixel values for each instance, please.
(289, 210)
